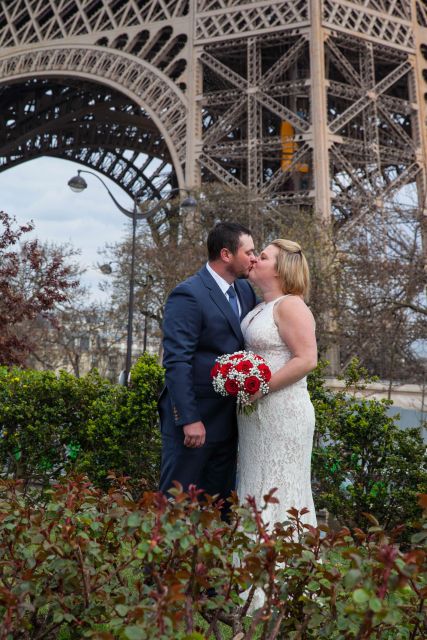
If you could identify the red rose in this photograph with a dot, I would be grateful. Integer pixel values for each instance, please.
(215, 370)
(231, 386)
(252, 385)
(236, 356)
(225, 369)
(264, 371)
(244, 366)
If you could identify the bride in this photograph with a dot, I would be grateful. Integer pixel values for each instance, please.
(275, 441)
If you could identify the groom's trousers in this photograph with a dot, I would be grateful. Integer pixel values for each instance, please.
(211, 467)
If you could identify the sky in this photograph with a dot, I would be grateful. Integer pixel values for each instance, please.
(37, 190)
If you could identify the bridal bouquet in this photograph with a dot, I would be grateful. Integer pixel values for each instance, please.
(241, 374)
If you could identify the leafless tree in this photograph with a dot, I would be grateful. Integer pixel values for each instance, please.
(368, 280)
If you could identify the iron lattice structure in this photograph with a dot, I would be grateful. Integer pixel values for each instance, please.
(319, 102)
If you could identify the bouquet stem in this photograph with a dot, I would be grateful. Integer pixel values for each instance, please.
(246, 409)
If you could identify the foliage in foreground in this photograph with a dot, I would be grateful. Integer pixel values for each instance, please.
(107, 566)
(362, 460)
(50, 423)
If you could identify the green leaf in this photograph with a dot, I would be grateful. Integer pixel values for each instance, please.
(121, 610)
(419, 537)
(184, 543)
(352, 578)
(134, 633)
(23, 587)
(68, 617)
(375, 604)
(360, 596)
(393, 616)
(315, 620)
(58, 617)
(134, 520)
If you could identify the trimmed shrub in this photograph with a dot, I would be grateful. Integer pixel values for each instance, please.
(363, 462)
(51, 423)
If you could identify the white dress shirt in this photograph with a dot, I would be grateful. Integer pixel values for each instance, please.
(223, 285)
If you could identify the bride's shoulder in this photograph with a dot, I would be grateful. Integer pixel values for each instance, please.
(291, 306)
(289, 300)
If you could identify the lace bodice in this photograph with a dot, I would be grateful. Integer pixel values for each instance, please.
(262, 337)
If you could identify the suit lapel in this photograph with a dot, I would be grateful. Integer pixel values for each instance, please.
(221, 301)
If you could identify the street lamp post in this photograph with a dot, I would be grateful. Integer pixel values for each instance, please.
(79, 184)
(148, 279)
(129, 337)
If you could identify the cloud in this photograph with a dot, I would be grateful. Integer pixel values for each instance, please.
(37, 190)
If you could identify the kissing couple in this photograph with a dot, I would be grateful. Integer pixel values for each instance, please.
(216, 312)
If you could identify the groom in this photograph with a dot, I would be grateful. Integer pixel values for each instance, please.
(201, 322)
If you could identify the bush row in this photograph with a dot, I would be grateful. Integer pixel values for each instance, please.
(362, 460)
(99, 565)
(50, 423)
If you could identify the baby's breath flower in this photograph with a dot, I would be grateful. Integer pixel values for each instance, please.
(241, 375)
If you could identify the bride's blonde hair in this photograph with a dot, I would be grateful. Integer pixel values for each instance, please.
(292, 268)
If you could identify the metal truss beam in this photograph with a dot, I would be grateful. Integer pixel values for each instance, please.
(282, 97)
(87, 124)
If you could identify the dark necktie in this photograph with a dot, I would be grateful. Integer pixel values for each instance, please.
(232, 298)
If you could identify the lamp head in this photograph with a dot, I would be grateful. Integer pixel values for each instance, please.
(106, 269)
(77, 183)
(189, 204)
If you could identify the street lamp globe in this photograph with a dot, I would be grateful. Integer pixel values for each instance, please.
(189, 204)
(77, 184)
(106, 269)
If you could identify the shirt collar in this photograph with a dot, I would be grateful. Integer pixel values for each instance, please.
(222, 284)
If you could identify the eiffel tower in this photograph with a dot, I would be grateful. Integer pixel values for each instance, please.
(307, 102)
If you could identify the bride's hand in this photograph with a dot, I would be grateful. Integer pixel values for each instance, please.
(257, 396)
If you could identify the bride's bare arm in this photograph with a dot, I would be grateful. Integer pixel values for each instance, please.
(297, 329)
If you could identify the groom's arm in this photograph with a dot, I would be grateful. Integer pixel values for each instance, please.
(181, 332)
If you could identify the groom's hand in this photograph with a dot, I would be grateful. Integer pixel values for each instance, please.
(194, 434)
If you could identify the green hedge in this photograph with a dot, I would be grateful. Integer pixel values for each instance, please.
(363, 462)
(50, 423)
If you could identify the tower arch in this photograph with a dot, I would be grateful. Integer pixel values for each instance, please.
(314, 103)
(138, 80)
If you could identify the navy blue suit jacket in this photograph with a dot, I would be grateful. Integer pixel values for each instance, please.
(199, 325)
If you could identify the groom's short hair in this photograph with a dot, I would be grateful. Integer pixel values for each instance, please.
(225, 235)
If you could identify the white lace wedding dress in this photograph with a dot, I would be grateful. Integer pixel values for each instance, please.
(275, 441)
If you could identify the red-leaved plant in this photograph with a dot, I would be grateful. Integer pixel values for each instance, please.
(84, 563)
